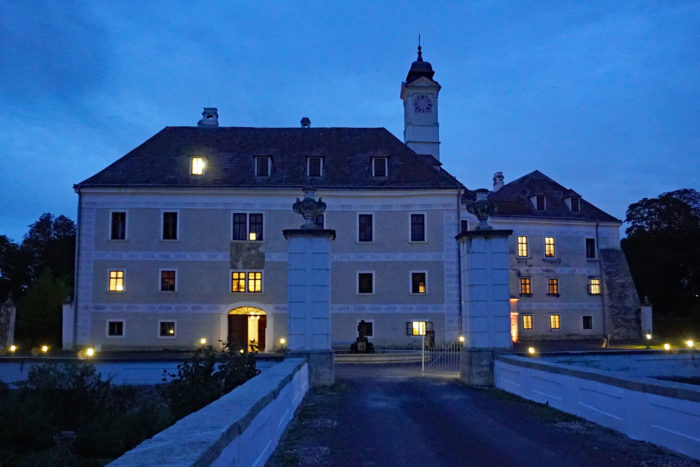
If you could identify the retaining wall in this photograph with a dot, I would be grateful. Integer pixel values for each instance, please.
(660, 412)
(241, 428)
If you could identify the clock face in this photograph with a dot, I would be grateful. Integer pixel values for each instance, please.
(422, 104)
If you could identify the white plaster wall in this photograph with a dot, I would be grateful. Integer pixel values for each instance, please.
(667, 421)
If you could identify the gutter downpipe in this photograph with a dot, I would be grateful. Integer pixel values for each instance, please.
(75, 279)
(459, 261)
(603, 287)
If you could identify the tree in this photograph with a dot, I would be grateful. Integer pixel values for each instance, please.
(39, 311)
(663, 251)
(50, 243)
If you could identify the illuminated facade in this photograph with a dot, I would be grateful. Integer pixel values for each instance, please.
(180, 241)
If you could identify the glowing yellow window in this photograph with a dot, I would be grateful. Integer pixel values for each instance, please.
(255, 282)
(198, 165)
(418, 328)
(527, 321)
(549, 247)
(554, 321)
(522, 246)
(594, 286)
(525, 286)
(238, 282)
(553, 287)
(116, 281)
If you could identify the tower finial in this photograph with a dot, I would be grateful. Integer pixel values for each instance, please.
(420, 54)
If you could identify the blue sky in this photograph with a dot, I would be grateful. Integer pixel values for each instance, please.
(604, 97)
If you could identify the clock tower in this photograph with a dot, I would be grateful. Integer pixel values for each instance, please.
(419, 93)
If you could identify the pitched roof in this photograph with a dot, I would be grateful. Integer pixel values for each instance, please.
(513, 200)
(164, 159)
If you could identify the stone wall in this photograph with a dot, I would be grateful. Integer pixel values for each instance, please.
(622, 306)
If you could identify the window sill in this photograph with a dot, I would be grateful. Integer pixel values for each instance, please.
(247, 241)
(167, 337)
(417, 241)
(552, 294)
(118, 239)
(551, 260)
(169, 240)
(364, 293)
(526, 295)
(592, 260)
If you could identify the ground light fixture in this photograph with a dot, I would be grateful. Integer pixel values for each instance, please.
(667, 346)
(531, 350)
(283, 341)
(648, 337)
(90, 352)
(13, 348)
(203, 341)
(44, 348)
(461, 339)
(690, 343)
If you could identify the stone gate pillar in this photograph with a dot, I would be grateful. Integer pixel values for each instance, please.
(486, 294)
(309, 292)
(7, 324)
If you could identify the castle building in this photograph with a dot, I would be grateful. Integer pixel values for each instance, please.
(181, 239)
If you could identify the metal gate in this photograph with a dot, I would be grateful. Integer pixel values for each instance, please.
(441, 359)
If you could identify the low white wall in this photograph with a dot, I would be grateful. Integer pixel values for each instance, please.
(663, 413)
(241, 428)
(682, 363)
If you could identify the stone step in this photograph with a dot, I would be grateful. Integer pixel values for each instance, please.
(378, 358)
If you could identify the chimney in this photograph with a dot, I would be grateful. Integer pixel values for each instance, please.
(210, 117)
(305, 122)
(497, 181)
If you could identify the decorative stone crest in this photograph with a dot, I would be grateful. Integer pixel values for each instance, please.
(482, 208)
(309, 208)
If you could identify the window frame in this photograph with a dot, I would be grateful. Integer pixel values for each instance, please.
(525, 283)
(167, 336)
(357, 222)
(308, 166)
(177, 225)
(590, 322)
(554, 321)
(247, 231)
(111, 224)
(553, 286)
(386, 166)
(410, 282)
(543, 198)
(410, 227)
(357, 283)
(593, 250)
(518, 245)
(409, 325)
(160, 279)
(554, 247)
(107, 323)
(246, 278)
(575, 202)
(267, 164)
(598, 286)
(201, 169)
(109, 280)
(528, 322)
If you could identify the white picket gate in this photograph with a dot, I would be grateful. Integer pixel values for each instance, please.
(441, 359)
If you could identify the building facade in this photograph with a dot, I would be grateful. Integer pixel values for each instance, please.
(181, 239)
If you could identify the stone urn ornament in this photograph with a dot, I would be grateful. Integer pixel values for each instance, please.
(482, 208)
(309, 208)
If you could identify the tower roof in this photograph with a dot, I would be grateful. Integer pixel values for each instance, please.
(420, 68)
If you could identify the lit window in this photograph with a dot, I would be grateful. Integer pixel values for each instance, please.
(549, 247)
(418, 328)
(553, 287)
(170, 226)
(590, 248)
(118, 228)
(166, 328)
(167, 281)
(587, 322)
(262, 166)
(540, 202)
(116, 281)
(379, 167)
(115, 328)
(314, 166)
(255, 282)
(575, 204)
(198, 164)
(364, 228)
(238, 282)
(553, 321)
(527, 322)
(522, 246)
(594, 286)
(525, 286)
(418, 283)
(417, 227)
(365, 283)
(248, 226)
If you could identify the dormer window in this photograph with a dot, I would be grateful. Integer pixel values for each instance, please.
(314, 166)
(262, 166)
(575, 204)
(197, 165)
(540, 203)
(380, 167)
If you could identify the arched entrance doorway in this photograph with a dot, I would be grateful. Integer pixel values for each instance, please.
(246, 328)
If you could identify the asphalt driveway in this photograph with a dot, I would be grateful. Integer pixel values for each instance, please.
(382, 415)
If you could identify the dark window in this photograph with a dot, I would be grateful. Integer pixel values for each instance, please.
(464, 226)
(320, 220)
(418, 283)
(540, 203)
(315, 166)
(262, 166)
(364, 282)
(587, 322)
(365, 228)
(115, 328)
(167, 281)
(256, 227)
(379, 168)
(118, 226)
(417, 227)
(167, 329)
(575, 204)
(169, 226)
(239, 226)
(590, 248)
